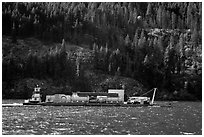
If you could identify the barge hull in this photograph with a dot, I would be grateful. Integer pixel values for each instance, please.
(32, 104)
(93, 104)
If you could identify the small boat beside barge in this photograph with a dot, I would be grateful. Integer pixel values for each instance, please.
(35, 99)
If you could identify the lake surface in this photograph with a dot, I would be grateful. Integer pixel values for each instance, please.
(181, 118)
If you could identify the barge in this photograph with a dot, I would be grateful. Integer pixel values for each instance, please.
(114, 97)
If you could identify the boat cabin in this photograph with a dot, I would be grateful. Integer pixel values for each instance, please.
(36, 97)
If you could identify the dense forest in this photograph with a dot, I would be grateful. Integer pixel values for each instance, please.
(156, 44)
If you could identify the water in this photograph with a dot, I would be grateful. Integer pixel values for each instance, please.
(182, 118)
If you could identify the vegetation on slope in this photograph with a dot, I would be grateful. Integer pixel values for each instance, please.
(157, 44)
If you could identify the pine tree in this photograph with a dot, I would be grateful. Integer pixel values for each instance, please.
(78, 66)
(127, 40)
(94, 47)
(141, 42)
(149, 13)
(135, 15)
(109, 68)
(157, 52)
(189, 16)
(160, 44)
(135, 40)
(106, 49)
(181, 64)
(159, 17)
(173, 20)
(155, 41)
(181, 43)
(142, 35)
(180, 23)
(171, 41)
(63, 46)
(164, 19)
(149, 9)
(150, 46)
(146, 60)
(195, 38)
(167, 67)
(14, 40)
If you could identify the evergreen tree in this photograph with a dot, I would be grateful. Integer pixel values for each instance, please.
(127, 40)
(195, 38)
(149, 13)
(160, 44)
(181, 64)
(149, 9)
(157, 52)
(159, 17)
(189, 16)
(164, 19)
(14, 33)
(173, 18)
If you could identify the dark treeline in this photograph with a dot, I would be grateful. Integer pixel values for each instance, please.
(123, 38)
(55, 65)
(101, 22)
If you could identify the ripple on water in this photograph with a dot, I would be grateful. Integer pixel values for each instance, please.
(184, 118)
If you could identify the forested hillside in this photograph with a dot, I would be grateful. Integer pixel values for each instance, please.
(155, 44)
